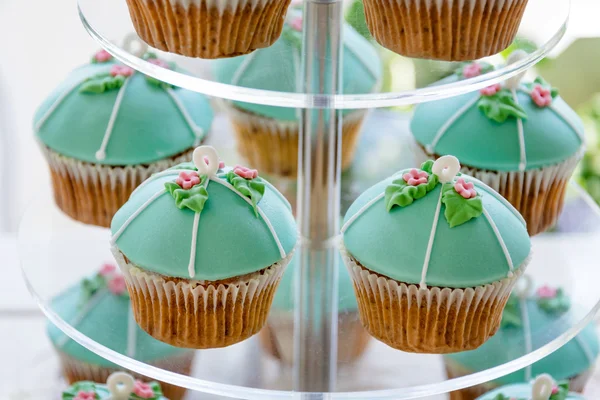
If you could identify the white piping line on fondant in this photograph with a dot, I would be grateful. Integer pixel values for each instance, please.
(278, 193)
(431, 147)
(192, 263)
(101, 153)
(436, 218)
(229, 186)
(526, 334)
(159, 175)
(521, 134)
(235, 79)
(91, 303)
(498, 197)
(500, 241)
(137, 212)
(586, 350)
(361, 211)
(131, 334)
(197, 131)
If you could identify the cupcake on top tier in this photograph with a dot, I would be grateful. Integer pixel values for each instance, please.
(106, 129)
(525, 318)
(119, 386)
(542, 388)
(99, 307)
(521, 139)
(433, 256)
(217, 239)
(268, 136)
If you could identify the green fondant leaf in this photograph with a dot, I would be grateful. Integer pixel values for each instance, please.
(511, 316)
(557, 304)
(427, 166)
(501, 396)
(500, 106)
(251, 188)
(400, 193)
(292, 36)
(193, 198)
(563, 391)
(89, 287)
(158, 83)
(458, 209)
(155, 388)
(83, 386)
(102, 83)
(542, 82)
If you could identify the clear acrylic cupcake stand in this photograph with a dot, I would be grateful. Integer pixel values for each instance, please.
(57, 252)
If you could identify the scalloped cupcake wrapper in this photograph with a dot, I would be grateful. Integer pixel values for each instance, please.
(93, 193)
(448, 30)
(272, 146)
(208, 28)
(277, 336)
(75, 371)
(538, 194)
(433, 320)
(200, 315)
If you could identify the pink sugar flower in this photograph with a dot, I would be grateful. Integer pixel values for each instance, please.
(491, 90)
(465, 189)
(244, 172)
(541, 96)
(415, 177)
(472, 70)
(121, 70)
(187, 179)
(221, 163)
(546, 292)
(107, 269)
(555, 390)
(117, 285)
(143, 390)
(102, 56)
(85, 396)
(296, 24)
(159, 62)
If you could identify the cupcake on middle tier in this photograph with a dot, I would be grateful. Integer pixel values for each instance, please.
(433, 256)
(542, 388)
(268, 136)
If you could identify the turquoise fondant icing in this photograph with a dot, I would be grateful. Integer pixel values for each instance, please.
(277, 68)
(104, 318)
(551, 134)
(152, 122)
(82, 391)
(519, 391)
(395, 243)
(231, 239)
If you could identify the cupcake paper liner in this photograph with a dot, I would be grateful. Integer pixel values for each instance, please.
(538, 194)
(197, 314)
(208, 28)
(75, 371)
(277, 337)
(430, 320)
(448, 30)
(272, 146)
(92, 193)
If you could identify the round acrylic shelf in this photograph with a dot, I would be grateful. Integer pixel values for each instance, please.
(542, 27)
(57, 252)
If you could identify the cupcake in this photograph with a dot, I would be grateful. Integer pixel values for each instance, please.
(521, 139)
(267, 136)
(215, 239)
(119, 386)
(99, 307)
(447, 30)
(107, 128)
(542, 388)
(207, 29)
(277, 336)
(526, 317)
(433, 256)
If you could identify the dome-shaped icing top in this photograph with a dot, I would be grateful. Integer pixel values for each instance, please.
(205, 221)
(501, 128)
(429, 227)
(524, 391)
(99, 307)
(524, 322)
(278, 67)
(107, 113)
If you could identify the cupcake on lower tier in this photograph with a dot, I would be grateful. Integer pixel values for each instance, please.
(525, 320)
(277, 335)
(99, 307)
(521, 139)
(267, 136)
(447, 30)
(119, 386)
(542, 388)
(433, 256)
(108, 128)
(215, 239)
(208, 29)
